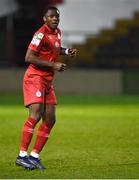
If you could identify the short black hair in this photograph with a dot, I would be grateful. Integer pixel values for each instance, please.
(50, 8)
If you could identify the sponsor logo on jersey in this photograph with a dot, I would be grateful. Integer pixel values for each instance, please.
(37, 39)
(39, 35)
(35, 42)
(38, 93)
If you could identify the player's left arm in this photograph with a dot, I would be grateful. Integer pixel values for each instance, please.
(68, 51)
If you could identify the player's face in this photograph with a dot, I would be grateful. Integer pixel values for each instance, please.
(52, 18)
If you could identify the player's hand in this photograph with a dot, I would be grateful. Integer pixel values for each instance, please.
(58, 66)
(72, 52)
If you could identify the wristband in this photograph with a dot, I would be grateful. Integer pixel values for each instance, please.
(67, 51)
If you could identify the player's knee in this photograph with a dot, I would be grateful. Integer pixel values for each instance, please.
(50, 119)
(35, 111)
(36, 115)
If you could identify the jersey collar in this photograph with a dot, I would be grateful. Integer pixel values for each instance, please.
(49, 30)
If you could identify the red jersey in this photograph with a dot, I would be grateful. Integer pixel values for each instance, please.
(46, 43)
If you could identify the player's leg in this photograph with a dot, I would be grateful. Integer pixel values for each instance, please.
(42, 135)
(44, 130)
(35, 114)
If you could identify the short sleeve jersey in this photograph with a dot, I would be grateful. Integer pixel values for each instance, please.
(46, 43)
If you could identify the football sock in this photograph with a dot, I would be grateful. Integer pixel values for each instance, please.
(27, 133)
(36, 155)
(23, 153)
(42, 137)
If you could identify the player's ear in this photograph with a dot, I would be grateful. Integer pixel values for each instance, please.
(44, 18)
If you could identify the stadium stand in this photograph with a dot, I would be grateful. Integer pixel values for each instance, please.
(111, 48)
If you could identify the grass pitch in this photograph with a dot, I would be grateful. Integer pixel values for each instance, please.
(94, 137)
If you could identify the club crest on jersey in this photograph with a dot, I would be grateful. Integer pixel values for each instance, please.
(57, 44)
(38, 93)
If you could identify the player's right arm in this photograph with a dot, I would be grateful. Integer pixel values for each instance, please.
(32, 58)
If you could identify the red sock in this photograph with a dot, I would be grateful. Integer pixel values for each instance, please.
(42, 137)
(27, 133)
